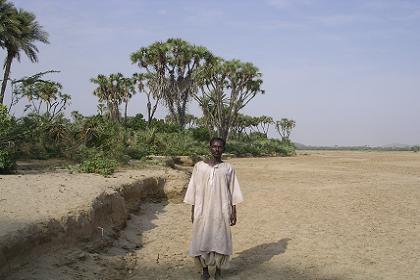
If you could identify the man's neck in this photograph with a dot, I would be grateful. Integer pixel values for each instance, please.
(214, 161)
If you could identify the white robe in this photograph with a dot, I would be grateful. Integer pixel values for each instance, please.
(212, 190)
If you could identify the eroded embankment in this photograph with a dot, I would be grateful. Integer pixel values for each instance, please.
(97, 225)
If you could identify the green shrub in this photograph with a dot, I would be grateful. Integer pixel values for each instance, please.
(7, 153)
(39, 137)
(7, 161)
(165, 127)
(103, 146)
(98, 162)
(100, 132)
(176, 144)
(200, 134)
(257, 146)
(136, 123)
(138, 151)
(6, 122)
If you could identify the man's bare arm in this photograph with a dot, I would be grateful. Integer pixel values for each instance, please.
(192, 214)
(233, 216)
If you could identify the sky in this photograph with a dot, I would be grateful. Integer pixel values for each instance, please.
(348, 72)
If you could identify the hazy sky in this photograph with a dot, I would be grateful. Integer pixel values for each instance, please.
(348, 71)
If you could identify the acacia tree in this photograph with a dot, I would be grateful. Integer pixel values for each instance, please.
(18, 84)
(112, 91)
(172, 65)
(284, 128)
(44, 96)
(225, 88)
(18, 33)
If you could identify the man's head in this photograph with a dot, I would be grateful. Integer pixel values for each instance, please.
(217, 147)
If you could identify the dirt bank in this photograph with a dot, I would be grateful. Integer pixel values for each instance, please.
(57, 207)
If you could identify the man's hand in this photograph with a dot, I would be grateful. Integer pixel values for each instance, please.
(233, 216)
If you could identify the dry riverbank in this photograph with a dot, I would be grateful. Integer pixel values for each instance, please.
(319, 215)
(45, 208)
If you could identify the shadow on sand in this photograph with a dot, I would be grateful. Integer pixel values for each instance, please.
(261, 253)
(252, 264)
(253, 257)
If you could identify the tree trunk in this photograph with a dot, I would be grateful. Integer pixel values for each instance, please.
(115, 113)
(125, 112)
(149, 112)
(223, 132)
(181, 119)
(8, 65)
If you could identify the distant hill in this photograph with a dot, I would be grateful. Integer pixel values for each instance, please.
(389, 147)
(396, 145)
(300, 146)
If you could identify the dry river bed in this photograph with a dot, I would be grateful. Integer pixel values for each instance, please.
(319, 215)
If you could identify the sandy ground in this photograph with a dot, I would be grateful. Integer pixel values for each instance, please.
(36, 196)
(319, 215)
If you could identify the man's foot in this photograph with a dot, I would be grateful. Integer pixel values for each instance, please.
(206, 274)
(218, 274)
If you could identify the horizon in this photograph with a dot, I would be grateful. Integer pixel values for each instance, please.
(346, 72)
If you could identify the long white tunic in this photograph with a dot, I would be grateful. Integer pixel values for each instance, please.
(212, 190)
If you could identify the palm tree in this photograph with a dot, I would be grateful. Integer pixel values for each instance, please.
(284, 128)
(22, 32)
(226, 87)
(8, 22)
(172, 65)
(113, 90)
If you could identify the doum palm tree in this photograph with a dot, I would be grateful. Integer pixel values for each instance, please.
(18, 34)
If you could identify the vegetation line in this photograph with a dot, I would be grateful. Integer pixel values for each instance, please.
(172, 74)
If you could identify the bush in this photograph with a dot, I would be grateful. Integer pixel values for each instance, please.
(137, 152)
(98, 162)
(259, 147)
(103, 147)
(165, 127)
(136, 123)
(39, 137)
(200, 134)
(176, 144)
(103, 135)
(7, 161)
(7, 153)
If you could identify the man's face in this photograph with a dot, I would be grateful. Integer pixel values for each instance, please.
(217, 148)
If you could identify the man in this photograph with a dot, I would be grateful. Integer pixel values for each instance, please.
(213, 192)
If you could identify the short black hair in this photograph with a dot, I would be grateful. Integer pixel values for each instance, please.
(217, 139)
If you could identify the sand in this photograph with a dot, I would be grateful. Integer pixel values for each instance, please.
(319, 215)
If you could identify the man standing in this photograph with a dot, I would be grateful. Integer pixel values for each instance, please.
(213, 192)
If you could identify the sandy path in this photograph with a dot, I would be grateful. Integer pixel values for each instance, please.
(320, 215)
